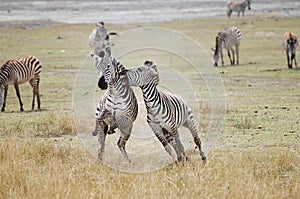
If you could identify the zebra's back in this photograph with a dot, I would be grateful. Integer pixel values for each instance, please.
(229, 37)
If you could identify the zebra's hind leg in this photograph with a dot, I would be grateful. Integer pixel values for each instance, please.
(237, 49)
(35, 93)
(190, 124)
(125, 134)
(101, 139)
(18, 95)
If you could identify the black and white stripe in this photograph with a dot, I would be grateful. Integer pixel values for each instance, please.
(290, 43)
(239, 7)
(18, 71)
(118, 107)
(165, 112)
(227, 38)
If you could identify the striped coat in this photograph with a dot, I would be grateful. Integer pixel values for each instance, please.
(165, 112)
(18, 71)
(99, 38)
(227, 38)
(233, 6)
(118, 107)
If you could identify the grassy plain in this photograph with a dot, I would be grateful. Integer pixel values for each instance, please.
(257, 155)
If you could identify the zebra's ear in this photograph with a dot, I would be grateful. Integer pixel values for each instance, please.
(100, 24)
(148, 63)
(108, 51)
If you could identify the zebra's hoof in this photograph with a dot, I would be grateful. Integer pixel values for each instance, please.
(216, 64)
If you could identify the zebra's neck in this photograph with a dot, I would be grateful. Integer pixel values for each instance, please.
(151, 96)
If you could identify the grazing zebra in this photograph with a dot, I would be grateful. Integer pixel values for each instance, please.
(165, 112)
(118, 107)
(18, 71)
(290, 43)
(237, 7)
(99, 38)
(227, 38)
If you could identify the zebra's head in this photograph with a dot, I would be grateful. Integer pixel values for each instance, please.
(292, 41)
(101, 32)
(107, 68)
(217, 51)
(141, 76)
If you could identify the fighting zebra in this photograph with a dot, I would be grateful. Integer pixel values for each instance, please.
(118, 107)
(165, 112)
(99, 38)
(18, 71)
(227, 38)
(237, 7)
(290, 43)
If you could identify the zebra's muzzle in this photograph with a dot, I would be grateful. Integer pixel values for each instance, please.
(102, 84)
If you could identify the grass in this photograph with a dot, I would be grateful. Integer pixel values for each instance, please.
(257, 155)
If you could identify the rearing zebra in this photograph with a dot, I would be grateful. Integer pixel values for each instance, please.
(165, 112)
(18, 71)
(99, 38)
(227, 38)
(118, 107)
(237, 7)
(290, 43)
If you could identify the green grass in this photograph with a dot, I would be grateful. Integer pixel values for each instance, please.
(257, 155)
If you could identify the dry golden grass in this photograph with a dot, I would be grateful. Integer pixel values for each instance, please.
(257, 155)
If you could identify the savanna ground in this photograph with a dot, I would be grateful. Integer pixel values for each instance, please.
(257, 155)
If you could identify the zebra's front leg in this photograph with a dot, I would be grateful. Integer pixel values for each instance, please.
(228, 52)
(18, 95)
(162, 138)
(173, 139)
(293, 57)
(221, 53)
(288, 59)
(233, 58)
(4, 98)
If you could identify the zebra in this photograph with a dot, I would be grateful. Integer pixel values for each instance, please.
(165, 112)
(290, 43)
(238, 7)
(99, 38)
(118, 107)
(227, 38)
(18, 71)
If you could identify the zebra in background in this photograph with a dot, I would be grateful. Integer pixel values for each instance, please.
(18, 71)
(118, 107)
(165, 112)
(290, 43)
(237, 7)
(99, 38)
(227, 38)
